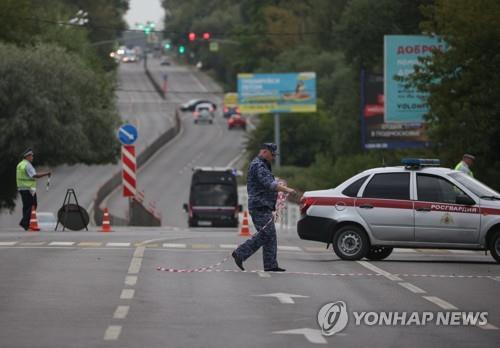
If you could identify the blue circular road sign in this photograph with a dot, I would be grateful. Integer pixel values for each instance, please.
(127, 134)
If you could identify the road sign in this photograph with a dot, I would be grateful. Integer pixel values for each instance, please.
(128, 170)
(127, 134)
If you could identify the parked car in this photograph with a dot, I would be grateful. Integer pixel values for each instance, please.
(46, 221)
(191, 105)
(236, 121)
(417, 205)
(204, 113)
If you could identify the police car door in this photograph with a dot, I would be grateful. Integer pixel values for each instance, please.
(438, 217)
(386, 207)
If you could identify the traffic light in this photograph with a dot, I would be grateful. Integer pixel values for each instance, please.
(192, 36)
(167, 46)
(206, 36)
(182, 49)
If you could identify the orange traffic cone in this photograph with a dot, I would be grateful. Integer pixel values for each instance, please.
(245, 230)
(33, 221)
(106, 225)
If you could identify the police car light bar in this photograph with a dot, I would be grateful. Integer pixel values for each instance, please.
(421, 162)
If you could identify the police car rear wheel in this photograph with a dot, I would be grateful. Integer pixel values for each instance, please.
(495, 246)
(378, 253)
(350, 243)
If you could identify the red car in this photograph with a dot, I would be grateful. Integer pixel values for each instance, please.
(236, 120)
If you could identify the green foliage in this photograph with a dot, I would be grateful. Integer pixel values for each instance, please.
(463, 83)
(51, 101)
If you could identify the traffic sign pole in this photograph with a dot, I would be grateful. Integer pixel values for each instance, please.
(129, 170)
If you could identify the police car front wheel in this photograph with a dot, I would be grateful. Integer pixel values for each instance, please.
(351, 243)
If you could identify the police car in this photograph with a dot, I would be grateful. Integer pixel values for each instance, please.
(417, 205)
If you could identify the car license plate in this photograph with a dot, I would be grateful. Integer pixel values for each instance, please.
(205, 223)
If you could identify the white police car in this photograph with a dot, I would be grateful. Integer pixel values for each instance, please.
(417, 205)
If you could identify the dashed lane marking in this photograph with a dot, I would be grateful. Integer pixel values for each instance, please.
(32, 243)
(440, 303)
(112, 332)
(7, 243)
(127, 294)
(131, 280)
(412, 288)
(315, 249)
(379, 271)
(61, 243)
(115, 244)
(121, 312)
(288, 248)
(228, 246)
(174, 245)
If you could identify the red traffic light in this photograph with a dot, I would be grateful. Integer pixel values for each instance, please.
(192, 36)
(206, 36)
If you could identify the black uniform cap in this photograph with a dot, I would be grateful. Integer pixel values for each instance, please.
(271, 147)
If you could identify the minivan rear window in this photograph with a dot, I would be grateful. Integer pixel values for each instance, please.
(218, 195)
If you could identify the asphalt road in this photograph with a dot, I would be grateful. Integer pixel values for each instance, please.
(92, 289)
(165, 179)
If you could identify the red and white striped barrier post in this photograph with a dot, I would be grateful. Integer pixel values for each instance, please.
(129, 170)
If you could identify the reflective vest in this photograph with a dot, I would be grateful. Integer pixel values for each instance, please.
(22, 178)
(464, 168)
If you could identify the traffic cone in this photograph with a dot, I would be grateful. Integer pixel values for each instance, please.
(106, 225)
(245, 230)
(33, 221)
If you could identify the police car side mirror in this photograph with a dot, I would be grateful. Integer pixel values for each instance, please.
(464, 200)
(185, 207)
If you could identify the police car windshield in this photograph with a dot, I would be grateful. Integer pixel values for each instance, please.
(475, 186)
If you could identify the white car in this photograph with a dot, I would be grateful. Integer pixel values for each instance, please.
(204, 113)
(46, 221)
(418, 205)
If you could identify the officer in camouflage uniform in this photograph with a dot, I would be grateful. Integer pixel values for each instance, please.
(262, 190)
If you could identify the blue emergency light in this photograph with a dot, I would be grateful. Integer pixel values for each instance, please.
(421, 162)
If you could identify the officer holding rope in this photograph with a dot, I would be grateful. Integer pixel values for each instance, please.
(263, 191)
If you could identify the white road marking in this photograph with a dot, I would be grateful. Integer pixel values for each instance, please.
(404, 250)
(412, 288)
(135, 265)
(111, 244)
(288, 248)
(127, 294)
(264, 274)
(139, 251)
(121, 312)
(379, 271)
(487, 327)
(228, 246)
(441, 303)
(313, 336)
(61, 243)
(283, 297)
(174, 245)
(7, 243)
(112, 332)
(130, 280)
(463, 251)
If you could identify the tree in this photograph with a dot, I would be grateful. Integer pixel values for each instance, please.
(463, 83)
(52, 101)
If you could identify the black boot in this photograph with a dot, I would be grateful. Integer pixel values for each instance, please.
(238, 261)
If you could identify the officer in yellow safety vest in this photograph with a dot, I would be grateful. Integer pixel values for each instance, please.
(26, 176)
(465, 164)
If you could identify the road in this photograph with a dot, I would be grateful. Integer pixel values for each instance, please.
(92, 289)
(165, 179)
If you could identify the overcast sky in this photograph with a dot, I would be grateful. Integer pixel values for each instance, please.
(142, 11)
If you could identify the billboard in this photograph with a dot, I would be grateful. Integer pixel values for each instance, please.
(401, 52)
(376, 133)
(277, 93)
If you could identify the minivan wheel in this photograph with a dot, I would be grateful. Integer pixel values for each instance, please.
(495, 246)
(351, 243)
(378, 253)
